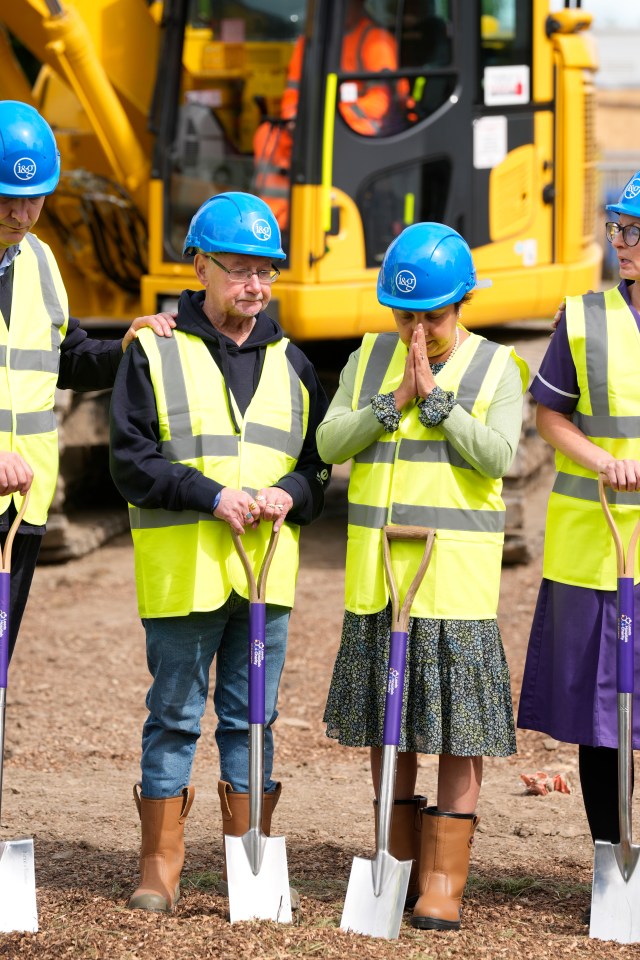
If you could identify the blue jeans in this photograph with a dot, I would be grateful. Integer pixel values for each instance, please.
(180, 651)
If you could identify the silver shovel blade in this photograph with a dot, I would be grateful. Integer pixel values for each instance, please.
(261, 896)
(364, 912)
(615, 896)
(18, 910)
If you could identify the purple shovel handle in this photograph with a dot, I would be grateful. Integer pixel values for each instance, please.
(5, 585)
(257, 621)
(625, 626)
(395, 687)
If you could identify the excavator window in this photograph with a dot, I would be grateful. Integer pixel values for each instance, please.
(258, 20)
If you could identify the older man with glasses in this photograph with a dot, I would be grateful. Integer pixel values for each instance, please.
(214, 433)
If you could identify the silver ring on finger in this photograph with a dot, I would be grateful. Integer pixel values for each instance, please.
(277, 506)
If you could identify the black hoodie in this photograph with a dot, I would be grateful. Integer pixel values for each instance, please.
(147, 479)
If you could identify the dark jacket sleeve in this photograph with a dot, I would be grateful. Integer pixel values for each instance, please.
(308, 482)
(141, 473)
(85, 363)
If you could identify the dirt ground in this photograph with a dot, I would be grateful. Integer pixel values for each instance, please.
(75, 709)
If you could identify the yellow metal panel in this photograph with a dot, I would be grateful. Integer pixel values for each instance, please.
(542, 67)
(512, 198)
(344, 258)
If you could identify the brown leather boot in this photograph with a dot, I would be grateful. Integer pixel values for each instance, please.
(235, 823)
(405, 836)
(444, 868)
(162, 851)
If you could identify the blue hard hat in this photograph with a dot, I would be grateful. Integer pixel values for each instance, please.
(29, 157)
(429, 265)
(235, 223)
(629, 199)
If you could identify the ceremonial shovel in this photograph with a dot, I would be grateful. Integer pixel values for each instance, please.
(256, 864)
(18, 910)
(615, 896)
(377, 888)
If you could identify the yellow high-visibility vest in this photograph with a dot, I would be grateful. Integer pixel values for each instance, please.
(605, 345)
(415, 476)
(29, 365)
(185, 561)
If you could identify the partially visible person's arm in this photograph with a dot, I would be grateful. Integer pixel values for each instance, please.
(558, 430)
(87, 363)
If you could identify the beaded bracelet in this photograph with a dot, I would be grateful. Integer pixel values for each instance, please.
(384, 407)
(436, 407)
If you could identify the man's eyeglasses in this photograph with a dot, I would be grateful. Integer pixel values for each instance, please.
(244, 276)
(630, 233)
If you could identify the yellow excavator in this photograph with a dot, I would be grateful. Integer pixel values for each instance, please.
(156, 106)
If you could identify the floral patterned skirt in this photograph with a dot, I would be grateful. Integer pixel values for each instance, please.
(457, 695)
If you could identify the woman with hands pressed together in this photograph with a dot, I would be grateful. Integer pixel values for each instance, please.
(431, 416)
(588, 394)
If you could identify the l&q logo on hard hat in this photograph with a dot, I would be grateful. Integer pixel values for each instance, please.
(262, 230)
(406, 281)
(24, 168)
(633, 188)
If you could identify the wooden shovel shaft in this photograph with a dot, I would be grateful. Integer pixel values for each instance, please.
(400, 614)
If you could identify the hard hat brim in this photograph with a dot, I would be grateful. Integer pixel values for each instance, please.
(31, 190)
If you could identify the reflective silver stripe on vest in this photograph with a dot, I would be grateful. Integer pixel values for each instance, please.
(40, 361)
(285, 441)
(586, 488)
(377, 452)
(414, 451)
(431, 451)
(448, 518)
(473, 376)
(155, 519)
(49, 294)
(182, 444)
(614, 428)
(597, 354)
(204, 445)
(443, 518)
(362, 515)
(377, 364)
(27, 424)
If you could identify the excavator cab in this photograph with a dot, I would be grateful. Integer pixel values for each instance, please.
(352, 118)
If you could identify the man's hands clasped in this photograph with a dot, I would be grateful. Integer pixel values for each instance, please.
(240, 510)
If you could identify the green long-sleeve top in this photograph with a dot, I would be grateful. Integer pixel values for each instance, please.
(489, 447)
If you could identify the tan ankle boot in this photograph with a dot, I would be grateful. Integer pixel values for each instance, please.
(235, 823)
(405, 837)
(162, 851)
(444, 868)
